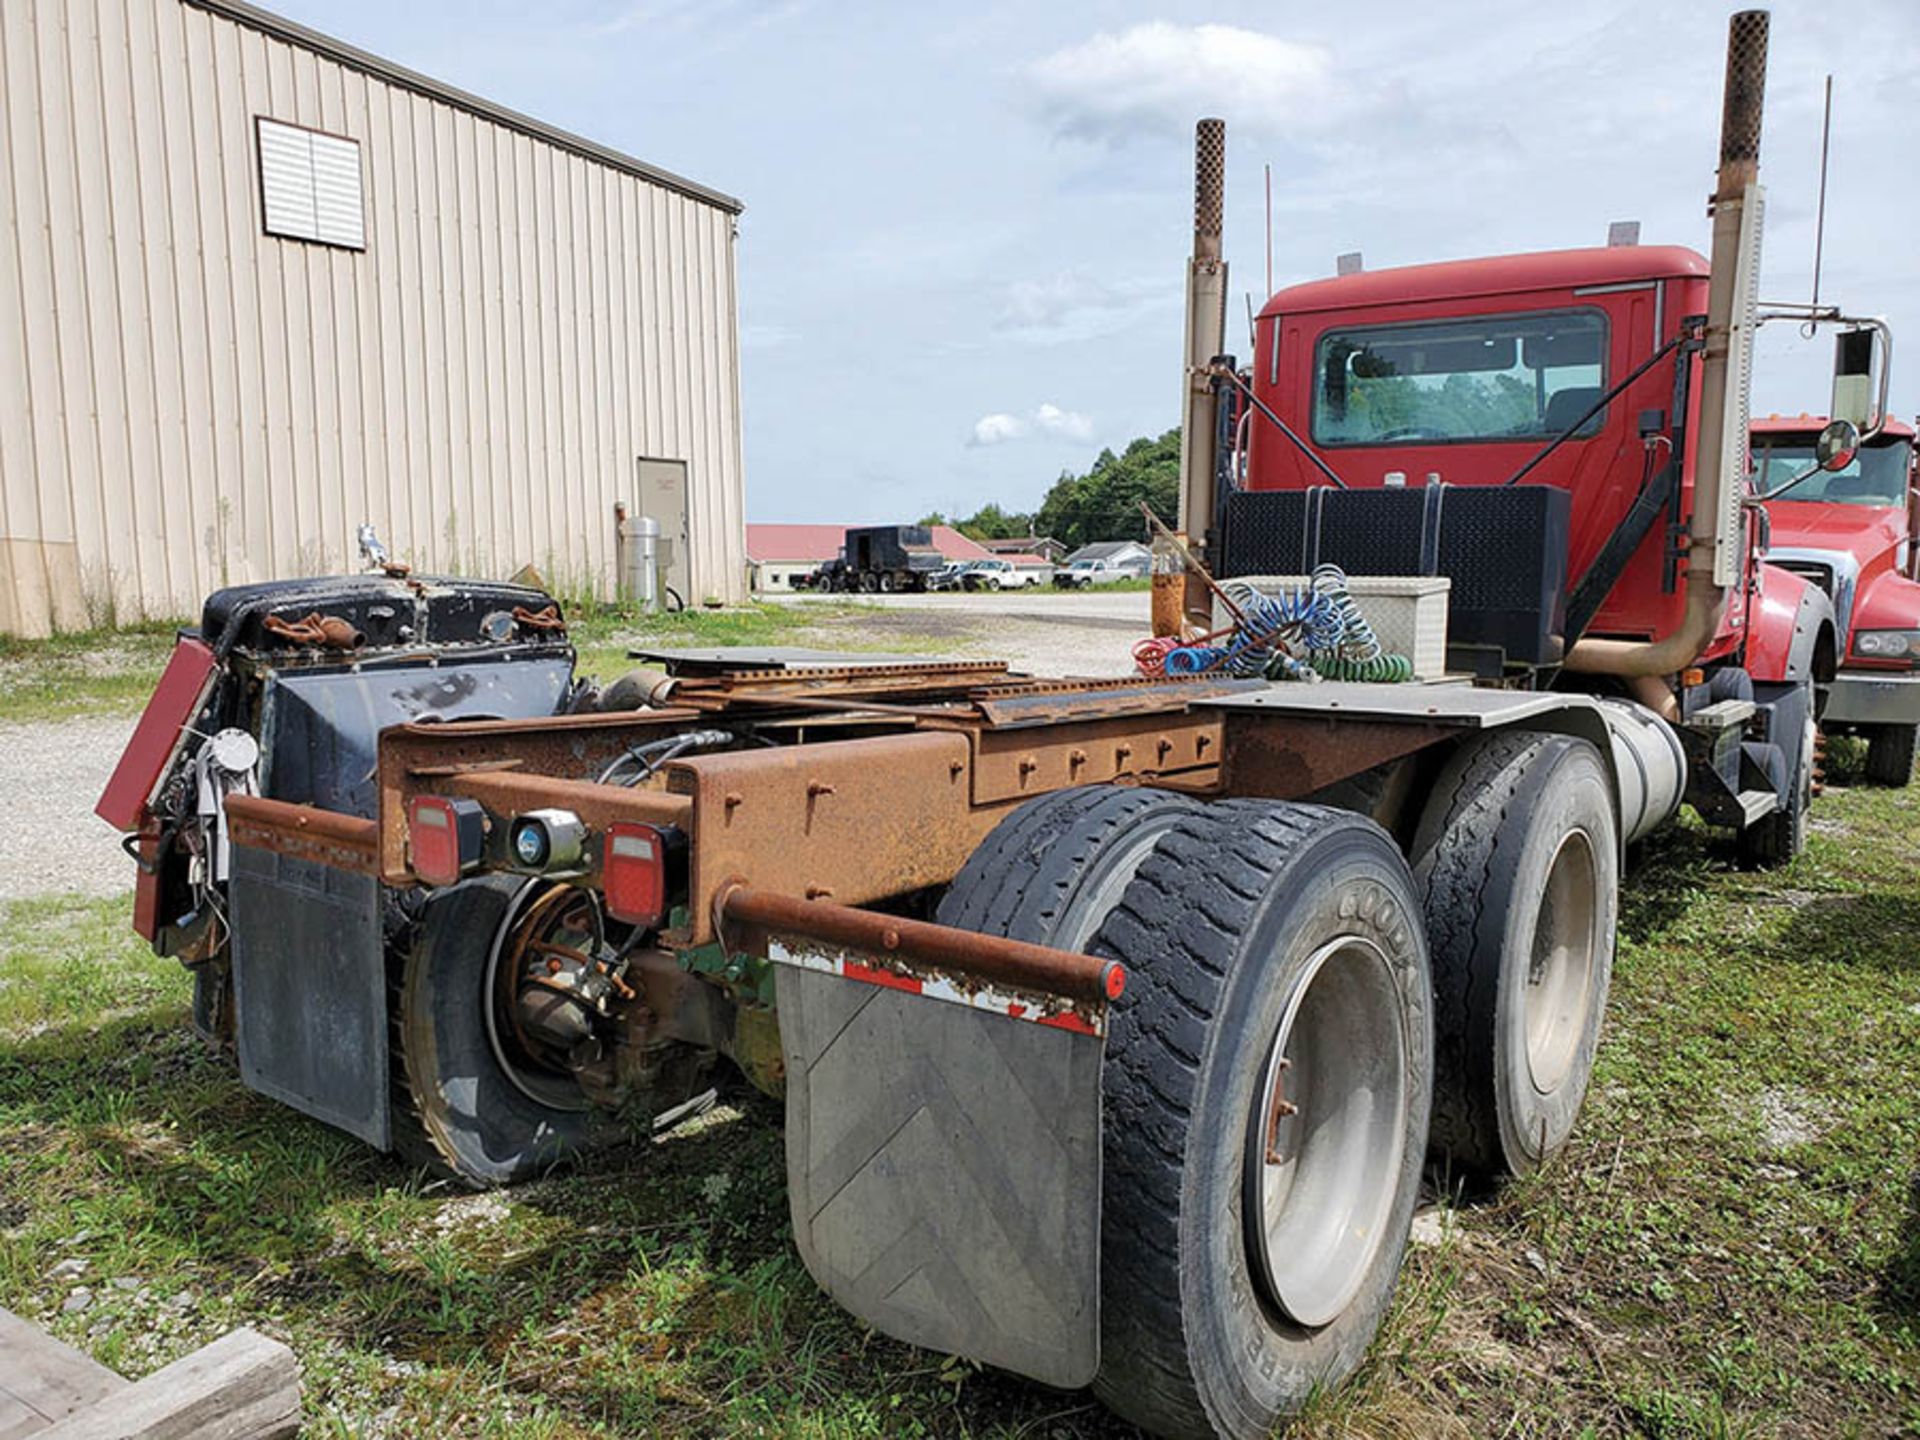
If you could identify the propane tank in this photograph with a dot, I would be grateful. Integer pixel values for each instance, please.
(640, 560)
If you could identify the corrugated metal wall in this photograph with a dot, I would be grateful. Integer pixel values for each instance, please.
(187, 403)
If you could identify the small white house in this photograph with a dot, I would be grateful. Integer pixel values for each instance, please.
(1128, 555)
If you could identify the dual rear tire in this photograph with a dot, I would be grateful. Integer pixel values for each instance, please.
(1517, 858)
(1266, 1083)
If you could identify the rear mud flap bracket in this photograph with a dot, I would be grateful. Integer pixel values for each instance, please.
(943, 1167)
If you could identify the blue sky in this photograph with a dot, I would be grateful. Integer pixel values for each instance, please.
(966, 226)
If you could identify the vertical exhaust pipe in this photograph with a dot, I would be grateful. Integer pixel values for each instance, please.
(1715, 533)
(1206, 338)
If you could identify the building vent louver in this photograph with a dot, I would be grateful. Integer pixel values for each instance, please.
(310, 185)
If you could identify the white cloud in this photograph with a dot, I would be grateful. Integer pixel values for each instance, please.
(1049, 421)
(998, 428)
(1160, 78)
(1067, 424)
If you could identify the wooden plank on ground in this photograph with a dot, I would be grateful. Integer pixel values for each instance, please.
(241, 1387)
(42, 1380)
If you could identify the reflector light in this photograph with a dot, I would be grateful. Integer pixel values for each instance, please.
(443, 837)
(633, 873)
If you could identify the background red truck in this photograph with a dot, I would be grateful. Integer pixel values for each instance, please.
(1851, 532)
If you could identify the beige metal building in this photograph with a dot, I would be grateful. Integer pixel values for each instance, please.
(257, 286)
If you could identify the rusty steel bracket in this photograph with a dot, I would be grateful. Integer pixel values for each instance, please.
(984, 972)
(848, 820)
(304, 832)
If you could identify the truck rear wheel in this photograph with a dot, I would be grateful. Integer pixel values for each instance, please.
(1517, 860)
(1277, 966)
(1890, 754)
(1052, 871)
(462, 1105)
(1267, 1081)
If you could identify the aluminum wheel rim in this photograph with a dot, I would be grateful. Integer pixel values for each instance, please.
(1560, 967)
(1328, 1134)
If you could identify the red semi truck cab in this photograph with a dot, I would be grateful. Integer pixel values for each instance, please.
(1460, 374)
(1851, 532)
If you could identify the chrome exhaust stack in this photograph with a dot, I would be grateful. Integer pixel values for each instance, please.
(1716, 533)
(1206, 338)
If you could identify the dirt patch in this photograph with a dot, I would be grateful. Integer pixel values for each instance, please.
(1037, 645)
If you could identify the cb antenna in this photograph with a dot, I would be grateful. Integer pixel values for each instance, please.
(1820, 212)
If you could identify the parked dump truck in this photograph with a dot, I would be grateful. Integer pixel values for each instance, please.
(883, 559)
(1115, 1020)
(1853, 529)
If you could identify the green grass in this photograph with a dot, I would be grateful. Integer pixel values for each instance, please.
(112, 672)
(92, 672)
(1730, 1247)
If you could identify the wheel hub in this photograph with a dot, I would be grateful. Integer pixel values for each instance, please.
(548, 992)
(1560, 965)
(1328, 1132)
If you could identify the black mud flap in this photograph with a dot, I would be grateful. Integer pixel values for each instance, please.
(310, 990)
(943, 1163)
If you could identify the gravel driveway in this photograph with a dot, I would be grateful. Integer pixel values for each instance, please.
(50, 775)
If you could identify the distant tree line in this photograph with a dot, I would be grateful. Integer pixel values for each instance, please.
(1103, 504)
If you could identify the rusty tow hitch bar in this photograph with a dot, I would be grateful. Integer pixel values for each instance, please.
(1024, 981)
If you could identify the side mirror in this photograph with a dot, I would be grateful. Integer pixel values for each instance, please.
(1836, 446)
(1859, 383)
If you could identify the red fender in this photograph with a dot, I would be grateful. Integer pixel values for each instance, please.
(1784, 622)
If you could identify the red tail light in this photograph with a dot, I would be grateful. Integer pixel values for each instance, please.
(633, 873)
(443, 837)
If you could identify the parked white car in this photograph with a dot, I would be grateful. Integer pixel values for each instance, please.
(1083, 574)
(998, 575)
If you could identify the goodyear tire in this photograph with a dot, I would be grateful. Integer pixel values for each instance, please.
(458, 1108)
(1052, 871)
(1517, 861)
(1890, 754)
(1267, 1080)
(1225, 916)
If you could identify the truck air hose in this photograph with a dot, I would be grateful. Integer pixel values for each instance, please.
(1356, 639)
(1383, 667)
(1306, 633)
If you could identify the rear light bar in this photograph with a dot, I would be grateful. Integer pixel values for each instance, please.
(444, 837)
(633, 872)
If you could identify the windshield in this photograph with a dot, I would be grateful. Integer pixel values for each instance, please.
(1877, 476)
(1504, 377)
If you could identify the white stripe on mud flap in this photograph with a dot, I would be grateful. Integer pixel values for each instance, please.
(1028, 1005)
